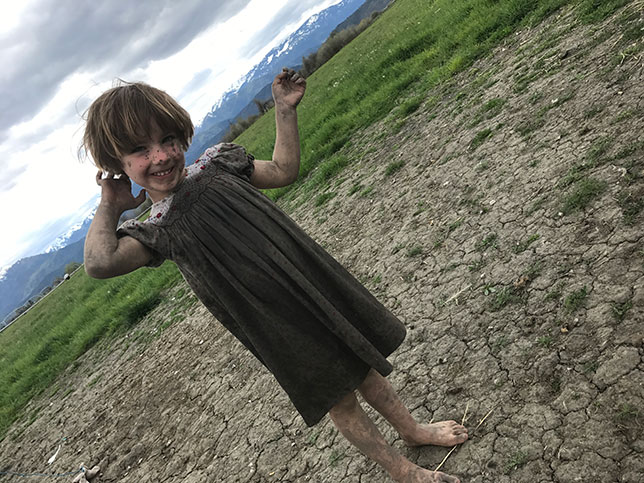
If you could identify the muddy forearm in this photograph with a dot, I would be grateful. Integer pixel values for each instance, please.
(101, 243)
(287, 142)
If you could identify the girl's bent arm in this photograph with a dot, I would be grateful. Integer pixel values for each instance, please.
(288, 89)
(285, 167)
(106, 255)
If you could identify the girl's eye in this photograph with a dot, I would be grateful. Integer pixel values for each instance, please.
(138, 149)
(169, 138)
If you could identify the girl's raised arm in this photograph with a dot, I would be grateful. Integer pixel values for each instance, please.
(288, 89)
(106, 255)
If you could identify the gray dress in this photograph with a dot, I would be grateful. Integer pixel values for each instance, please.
(304, 316)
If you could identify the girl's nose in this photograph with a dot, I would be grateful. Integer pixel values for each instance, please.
(159, 155)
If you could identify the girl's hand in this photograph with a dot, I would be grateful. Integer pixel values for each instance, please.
(118, 192)
(288, 88)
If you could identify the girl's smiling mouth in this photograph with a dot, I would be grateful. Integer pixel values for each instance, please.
(161, 174)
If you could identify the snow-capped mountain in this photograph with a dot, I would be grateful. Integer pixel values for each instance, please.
(74, 233)
(289, 53)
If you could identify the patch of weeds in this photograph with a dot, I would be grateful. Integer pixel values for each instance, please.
(394, 167)
(324, 198)
(522, 246)
(624, 115)
(68, 392)
(535, 97)
(517, 460)
(313, 437)
(619, 310)
(448, 158)
(590, 367)
(482, 166)
(499, 344)
(574, 174)
(377, 279)
(597, 150)
(545, 341)
(339, 181)
(365, 193)
(632, 28)
(414, 251)
(631, 207)
(477, 265)
(397, 126)
(626, 413)
(450, 267)
(533, 271)
(335, 457)
(410, 106)
(594, 11)
(397, 248)
(489, 241)
(575, 300)
(584, 191)
(534, 163)
(504, 297)
(522, 82)
(420, 207)
(629, 150)
(480, 138)
(489, 110)
(94, 381)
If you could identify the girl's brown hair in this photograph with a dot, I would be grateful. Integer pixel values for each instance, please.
(122, 117)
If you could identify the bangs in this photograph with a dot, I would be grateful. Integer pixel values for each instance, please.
(123, 117)
(132, 125)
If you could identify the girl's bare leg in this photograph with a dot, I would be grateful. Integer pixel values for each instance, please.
(356, 426)
(377, 391)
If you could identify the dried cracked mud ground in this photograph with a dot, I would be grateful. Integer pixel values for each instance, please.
(502, 221)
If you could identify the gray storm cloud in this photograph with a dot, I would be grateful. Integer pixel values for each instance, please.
(62, 37)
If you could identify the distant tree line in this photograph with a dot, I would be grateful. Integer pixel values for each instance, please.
(334, 44)
(310, 64)
(240, 125)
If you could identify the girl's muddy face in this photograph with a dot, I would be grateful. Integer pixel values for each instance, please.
(156, 164)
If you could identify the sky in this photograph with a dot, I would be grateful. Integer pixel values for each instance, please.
(59, 55)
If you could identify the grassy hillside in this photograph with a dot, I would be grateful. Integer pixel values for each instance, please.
(415, 45)
(41, 344)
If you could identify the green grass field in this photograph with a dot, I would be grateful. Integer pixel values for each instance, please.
(389, 69)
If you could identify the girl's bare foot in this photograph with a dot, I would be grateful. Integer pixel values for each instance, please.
(421, 475)
(443, 433)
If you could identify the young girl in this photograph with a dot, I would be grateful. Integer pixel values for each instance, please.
(313, 325)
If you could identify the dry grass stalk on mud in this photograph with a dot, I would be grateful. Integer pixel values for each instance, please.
(463, 422)
(467, 406)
